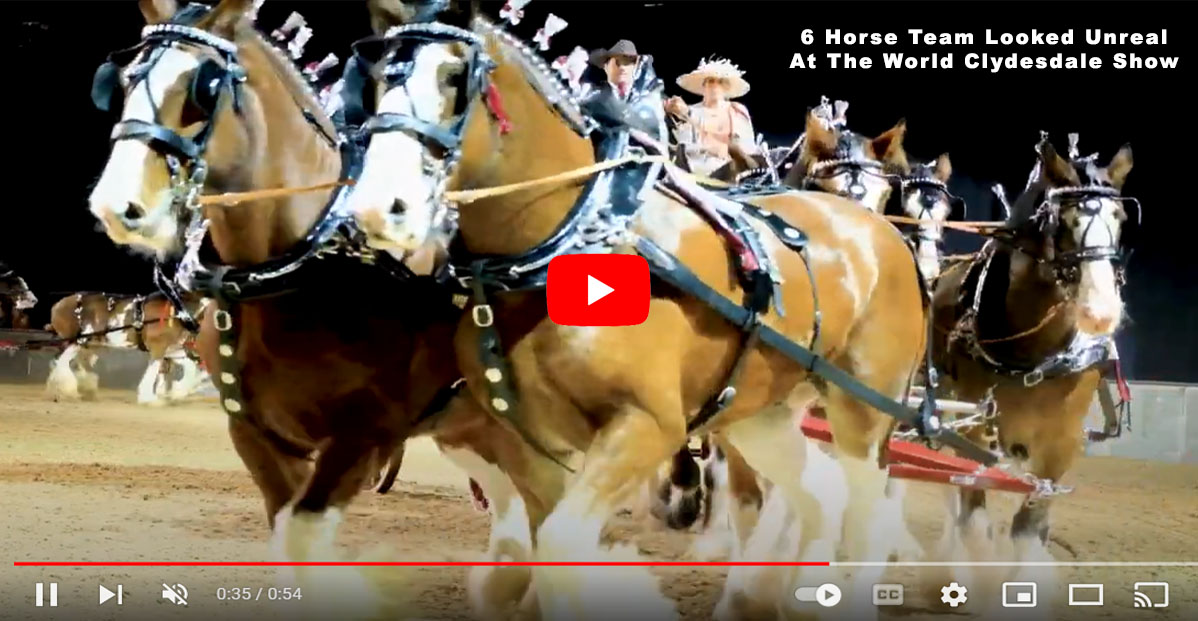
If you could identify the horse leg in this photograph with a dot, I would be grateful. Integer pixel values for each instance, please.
(495, 591)
(859, 432)
(145, 388)
(62, 382)
(773, 445)
(905, 546)
(734, 505)
(276, 474)
(188, 383)
(622, 456)
(88, 379)
(682, 493)
(1048, 446)
(305, 529)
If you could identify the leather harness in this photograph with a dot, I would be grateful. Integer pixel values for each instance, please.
(599, 223)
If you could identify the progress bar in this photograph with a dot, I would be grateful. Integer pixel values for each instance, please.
(1017, 564)
(603, 564)
(414, 564)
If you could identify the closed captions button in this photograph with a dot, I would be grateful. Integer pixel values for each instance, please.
(888, 595)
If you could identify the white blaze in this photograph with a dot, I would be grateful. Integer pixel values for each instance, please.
(123, 179)
(393, 173)
(1098, 296)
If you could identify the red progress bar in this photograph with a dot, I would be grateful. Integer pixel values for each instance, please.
(411, 564)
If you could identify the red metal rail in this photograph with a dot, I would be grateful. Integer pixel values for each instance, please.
(919, 463)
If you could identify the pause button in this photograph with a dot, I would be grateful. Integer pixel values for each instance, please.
(40, 591)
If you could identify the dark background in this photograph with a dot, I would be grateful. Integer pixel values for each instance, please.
(988, 122)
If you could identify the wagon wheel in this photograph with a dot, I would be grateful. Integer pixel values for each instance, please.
(387, 473)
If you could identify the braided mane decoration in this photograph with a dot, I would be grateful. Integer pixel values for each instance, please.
(559, 93)
(832, 115)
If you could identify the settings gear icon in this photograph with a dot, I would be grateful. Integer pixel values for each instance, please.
(954, 594)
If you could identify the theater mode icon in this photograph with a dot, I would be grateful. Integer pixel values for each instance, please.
(1085, 594)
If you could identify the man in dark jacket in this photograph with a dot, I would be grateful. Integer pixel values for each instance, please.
(622, 90)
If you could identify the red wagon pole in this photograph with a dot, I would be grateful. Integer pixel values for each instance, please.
(919, 463)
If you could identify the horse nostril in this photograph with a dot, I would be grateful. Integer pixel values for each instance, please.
(398, 207)
(133, 212)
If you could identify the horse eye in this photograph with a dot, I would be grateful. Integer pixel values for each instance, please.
(191, 113)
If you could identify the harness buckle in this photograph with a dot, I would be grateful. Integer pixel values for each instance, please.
(223, 320)
(482, 315)
(1034, 377)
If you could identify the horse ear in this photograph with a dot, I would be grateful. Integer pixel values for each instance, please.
(157, 11)
(944, 168)
(888, 147)
(1058, 170)
(1119, 167)
(225, 17)
(387, 13)
(821, 139)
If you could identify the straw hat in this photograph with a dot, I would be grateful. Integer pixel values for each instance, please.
(715, 68)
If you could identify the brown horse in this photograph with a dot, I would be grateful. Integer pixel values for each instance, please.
(613, 403)
(316, 344)
(89, 322)
(1032, 316)
(690, 489)
(925, 197)
(15, 299)
(831, 158)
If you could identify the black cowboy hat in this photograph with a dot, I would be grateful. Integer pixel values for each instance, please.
(623, 47)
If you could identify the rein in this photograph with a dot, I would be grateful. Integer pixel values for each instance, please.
(234, 198)
(983, 228)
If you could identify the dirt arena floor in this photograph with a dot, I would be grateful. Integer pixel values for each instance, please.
(112, 481)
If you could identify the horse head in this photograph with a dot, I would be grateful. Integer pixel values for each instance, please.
(925, 197)
(454, 104)
(1074, 221)
(835, 159)
(202, 100)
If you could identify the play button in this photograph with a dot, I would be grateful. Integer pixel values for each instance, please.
(596, 290)
(827, 595)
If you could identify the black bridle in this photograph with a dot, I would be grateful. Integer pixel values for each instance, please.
(933, 191)
(1088, 199)
(213, 81)
(856, 168)
(396, 50)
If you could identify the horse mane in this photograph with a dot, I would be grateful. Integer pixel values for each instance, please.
(292, 79)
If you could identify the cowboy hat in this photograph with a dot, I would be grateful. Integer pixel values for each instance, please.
(623, 47)
(720, 69)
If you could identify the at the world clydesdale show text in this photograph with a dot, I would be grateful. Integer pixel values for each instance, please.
(992, 62)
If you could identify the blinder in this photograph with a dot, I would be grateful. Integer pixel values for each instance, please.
(855, 167)
(106, 83)
(933, 189)
(1087, 199)
(396, 51)
(206, 86)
